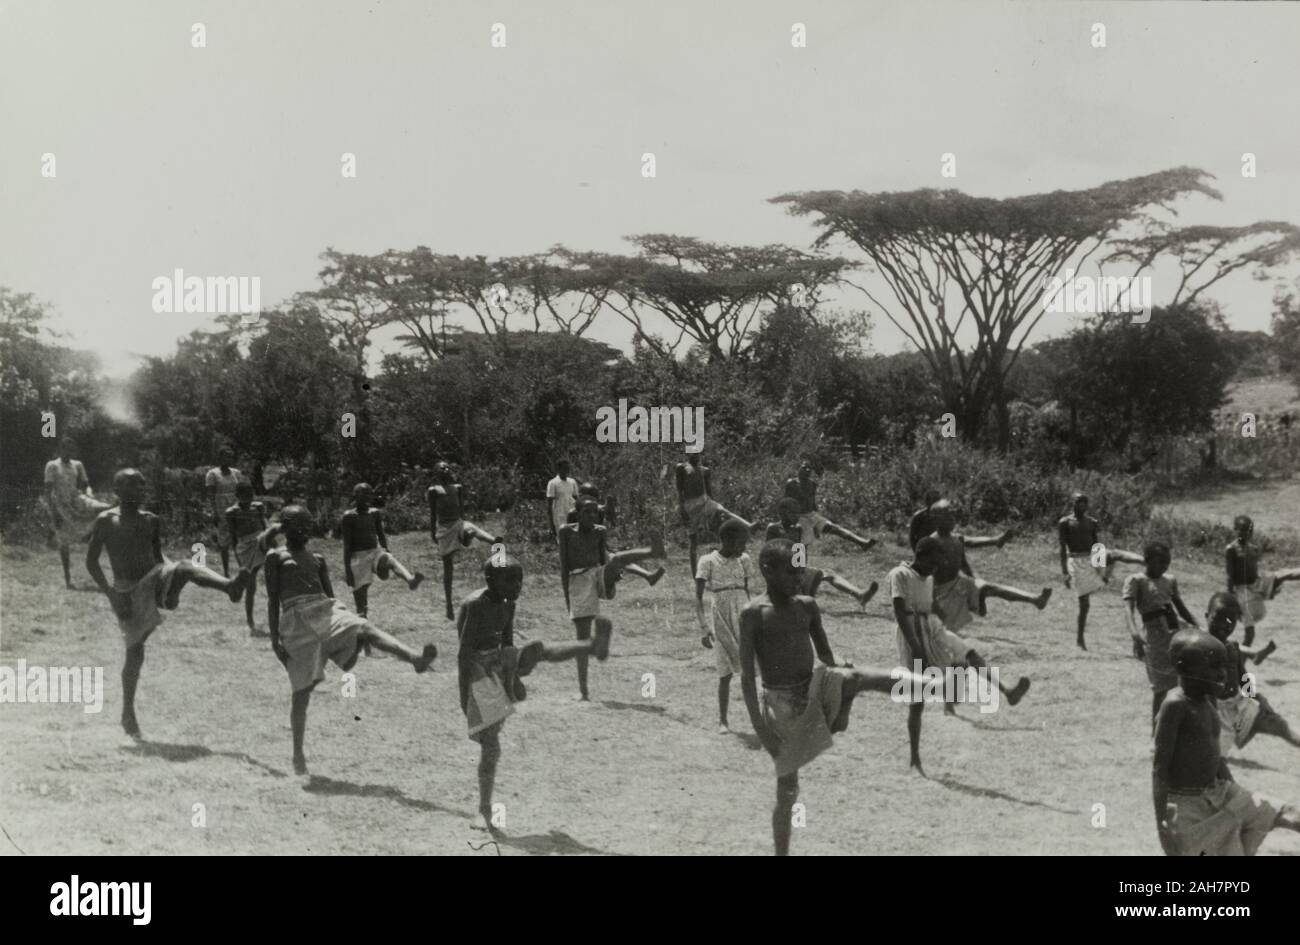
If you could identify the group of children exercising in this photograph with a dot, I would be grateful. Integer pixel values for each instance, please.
(763, 622)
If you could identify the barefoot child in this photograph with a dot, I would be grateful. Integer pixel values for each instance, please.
(804, 700)
(789, 527)
(803, 489)
(490, 667)
(365, 549)
(589, 573)
(308, 626)
(1243, 711)
(922, 639)
(1252, 588)
(143, 580)
(1080, 537)
(1200, 810)
(246, 521)
(958, 594)
(605, 512)
(700, 513)
(729, 575)
(451, 533)
(1154, 607)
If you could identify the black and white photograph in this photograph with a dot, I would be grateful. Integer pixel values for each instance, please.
(796, 427)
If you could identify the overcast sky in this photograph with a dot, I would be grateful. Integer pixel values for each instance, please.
(226, 160)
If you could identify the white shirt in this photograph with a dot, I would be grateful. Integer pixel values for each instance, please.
(65, 477)
(917, 592)
(718, 572)
(565, 494)
(225, 485)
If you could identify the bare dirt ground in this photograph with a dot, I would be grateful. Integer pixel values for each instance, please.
(392, 770)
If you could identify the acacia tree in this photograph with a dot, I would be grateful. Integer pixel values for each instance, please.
(1206, 254)
(709, 292)
(951, 261)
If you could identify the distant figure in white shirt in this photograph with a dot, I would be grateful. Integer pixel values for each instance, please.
(221, 484)
(67, 492)
(561, 497)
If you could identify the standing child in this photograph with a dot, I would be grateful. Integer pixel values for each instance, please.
(451, 533)
(588, 573)
(490, 667)
(804, 701)
(1080, 535)
(220, 483)
(561, 497)
(365, 549)
(699, 512)
(605, 513)
(922, 638)
(803, 489)
(1200, 810)
(1252, 587)
(1154, 607)
(143, 580)
(958, 594)
(1243, 714)
(72, 508)
(728, 574)
(308, 626)
(790, 528)
(246, 521)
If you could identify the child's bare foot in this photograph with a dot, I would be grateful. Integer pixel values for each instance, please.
(529, 656)
(600, 645)
(655, 576)
(1082, 645)
(1018, 693)
(451, 614)
(257, 632)
(236, 590)
(483, 821)
(915, 766)
(130, 725)
(657, 547)
(722, 729)
(416, 580)
(869, 593)
(1266, 652)
(1043, 598)
(299, 764)
(425, 659)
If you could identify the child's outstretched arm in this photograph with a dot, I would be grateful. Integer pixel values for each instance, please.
(272, 569)
(817, 632)
(1135, 628)
(907, 625)
(699, 606)
(1168, 721)
(1182, 609)
(749, 624)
